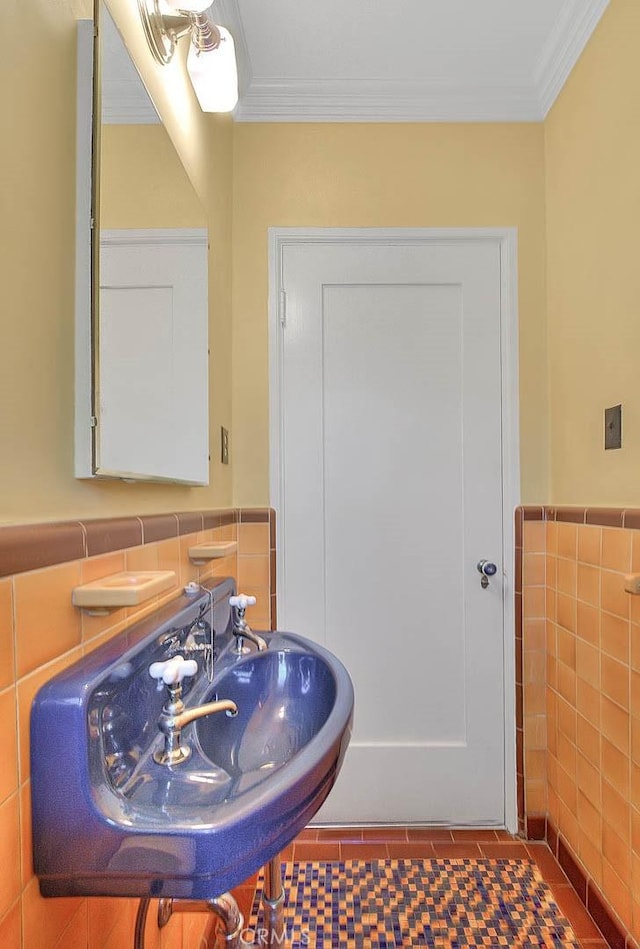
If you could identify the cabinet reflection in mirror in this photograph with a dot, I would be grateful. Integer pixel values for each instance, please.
(143, 412)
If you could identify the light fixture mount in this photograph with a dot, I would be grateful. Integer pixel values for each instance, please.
(162, 30)
(211, 61)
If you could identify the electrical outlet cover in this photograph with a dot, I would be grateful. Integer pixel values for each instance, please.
(613, 427)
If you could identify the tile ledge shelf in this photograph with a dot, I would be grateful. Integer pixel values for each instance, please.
(128, 588)
(200, 553)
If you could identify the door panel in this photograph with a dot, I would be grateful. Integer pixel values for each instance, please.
(392, 493)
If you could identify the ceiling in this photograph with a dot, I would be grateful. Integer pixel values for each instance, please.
(408, 60)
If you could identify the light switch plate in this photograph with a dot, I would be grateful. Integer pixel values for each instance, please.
(613, 427)
(224, 445)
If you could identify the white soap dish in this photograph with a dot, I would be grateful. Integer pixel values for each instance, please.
(129, 588)
(203, 552)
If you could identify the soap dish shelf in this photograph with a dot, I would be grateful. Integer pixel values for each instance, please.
(128, 588)
(200, 553)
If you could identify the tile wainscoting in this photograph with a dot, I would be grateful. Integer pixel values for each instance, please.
(578, 698)
(41, 633)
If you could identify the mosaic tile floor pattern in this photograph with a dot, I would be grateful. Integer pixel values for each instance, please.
(385, 904)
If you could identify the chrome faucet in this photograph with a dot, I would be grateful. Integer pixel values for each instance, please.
(175, 716)
(240, 628)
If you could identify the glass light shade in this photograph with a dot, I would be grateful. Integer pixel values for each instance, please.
(214, 75)
(184, 6)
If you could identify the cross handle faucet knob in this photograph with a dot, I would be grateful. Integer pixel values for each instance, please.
(173, 671)
(242, 601)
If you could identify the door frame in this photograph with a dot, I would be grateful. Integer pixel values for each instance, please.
(507, 239)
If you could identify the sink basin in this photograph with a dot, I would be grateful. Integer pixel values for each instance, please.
(108, 820)
(284, 698)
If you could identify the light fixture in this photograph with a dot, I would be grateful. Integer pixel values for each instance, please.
(211, 61)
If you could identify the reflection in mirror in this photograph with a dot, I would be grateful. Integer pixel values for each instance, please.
(149, 335)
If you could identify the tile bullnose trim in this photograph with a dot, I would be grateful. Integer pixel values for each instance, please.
(596, 516)
(34, 546)
(25, 547)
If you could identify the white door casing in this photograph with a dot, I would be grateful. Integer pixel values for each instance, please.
(419, 281)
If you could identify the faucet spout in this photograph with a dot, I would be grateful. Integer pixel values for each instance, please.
(245, 633)
(174, 717)
(200, 711)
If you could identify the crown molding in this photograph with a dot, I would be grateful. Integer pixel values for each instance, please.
(373, 100)
(574, 27)
(300, 100)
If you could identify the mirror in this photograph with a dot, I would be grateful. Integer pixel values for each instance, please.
(149, 328)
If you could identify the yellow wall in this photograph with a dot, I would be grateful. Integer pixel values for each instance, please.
(142, 180)
(382, 176)
(592, 139)
(37, 208)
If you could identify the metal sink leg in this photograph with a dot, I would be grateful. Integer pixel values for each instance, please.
(273, 903)
(224, 907)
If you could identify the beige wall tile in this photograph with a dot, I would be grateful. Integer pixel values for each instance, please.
(534, 634)
(11, 928)
(616, 549)
(567, 683)
(169, 557)
(534, 537)
(591, 857)
(588, 623)
(615, 724)
(74, 935)
(590, 819)
(588, 702)
(102, 914)
(589, 544)
(47, 623)
(617, 890)
(26, 834)
(614, 636)
(588, 584)
(589, 780)
(188, 570)
(7, 666)
(613, 596)
(253, 572)
(567, 572)
(567, 540)
(9, 853)
(46, 920)
(616, 850)
(142, 558)
(566, 611)
(253, 539)
(589, 741)
(615, 680)
(635, 551)
(9, 766)
(566, 647)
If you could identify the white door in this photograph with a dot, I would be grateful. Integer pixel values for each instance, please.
(151, 355)
(390, 492)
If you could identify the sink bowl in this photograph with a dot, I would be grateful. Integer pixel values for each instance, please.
(284, 698)
(109, 821)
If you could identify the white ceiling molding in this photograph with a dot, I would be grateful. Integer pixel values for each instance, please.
(382, 101)
(572, 31)
(274, 99)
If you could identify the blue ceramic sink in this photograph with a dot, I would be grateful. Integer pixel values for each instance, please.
(108, 820)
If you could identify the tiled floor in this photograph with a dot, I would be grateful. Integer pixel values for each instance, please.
(417, 842)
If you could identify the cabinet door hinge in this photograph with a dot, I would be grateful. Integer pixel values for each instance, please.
(283, 308)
